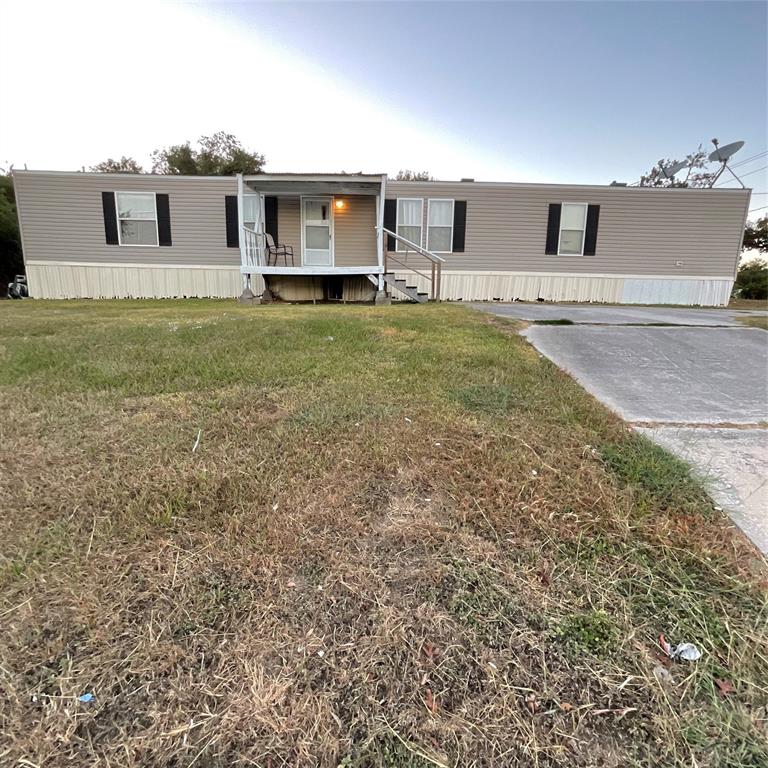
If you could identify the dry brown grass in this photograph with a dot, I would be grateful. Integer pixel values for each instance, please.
(417, 544)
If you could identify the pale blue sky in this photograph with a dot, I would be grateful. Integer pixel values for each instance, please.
(545, 91)
(588, 89)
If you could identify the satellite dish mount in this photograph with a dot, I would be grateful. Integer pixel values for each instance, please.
(723, 155)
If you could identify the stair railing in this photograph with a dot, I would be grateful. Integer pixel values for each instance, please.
(254, 247)
(435, 262)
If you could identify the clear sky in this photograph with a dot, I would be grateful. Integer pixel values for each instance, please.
(541, 91)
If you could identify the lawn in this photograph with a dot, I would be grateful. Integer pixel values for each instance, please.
(757, 321)
(350, 536)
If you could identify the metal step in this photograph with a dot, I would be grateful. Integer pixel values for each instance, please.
(407, 290)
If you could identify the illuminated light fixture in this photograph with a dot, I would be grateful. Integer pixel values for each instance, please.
(339, 204)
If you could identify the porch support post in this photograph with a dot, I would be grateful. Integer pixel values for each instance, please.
(380, 229)
(241, 239)
(246, 297)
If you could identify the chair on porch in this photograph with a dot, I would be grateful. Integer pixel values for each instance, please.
(274, 252)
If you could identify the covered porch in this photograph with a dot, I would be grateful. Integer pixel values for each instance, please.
(303, 233)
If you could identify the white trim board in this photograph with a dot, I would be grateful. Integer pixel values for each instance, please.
(309, 271)
(616, 275)
(140, 265)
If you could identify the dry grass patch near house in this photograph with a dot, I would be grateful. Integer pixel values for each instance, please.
(403, 539)
(755, 322)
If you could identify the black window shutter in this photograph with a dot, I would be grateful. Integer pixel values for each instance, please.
(459, 225)
(233, 225)
(553, 229)
(270, 217)
(110, 217)
(590, 236)
(163, 220)
(390, 221)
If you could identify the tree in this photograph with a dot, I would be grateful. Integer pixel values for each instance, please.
(695, 161)
(407, 175)
(752, 280)
(11, 261)
(217, 155)
(123, 165)
(756, 236)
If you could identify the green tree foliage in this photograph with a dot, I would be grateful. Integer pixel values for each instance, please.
(752, 280)
(756, 235)
(218, 155)
(408, 175)
(123, 165)
(693, 176)
(11, 262)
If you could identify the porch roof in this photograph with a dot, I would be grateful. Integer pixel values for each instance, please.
(316, 183)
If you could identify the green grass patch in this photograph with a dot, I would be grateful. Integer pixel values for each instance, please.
(755, 322)
(662, 478)
(594, 632)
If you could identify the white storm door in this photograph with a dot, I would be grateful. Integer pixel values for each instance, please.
(317, 231)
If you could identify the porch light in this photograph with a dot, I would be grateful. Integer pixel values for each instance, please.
(339, 204)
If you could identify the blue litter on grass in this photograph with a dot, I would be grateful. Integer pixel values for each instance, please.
(85, 698)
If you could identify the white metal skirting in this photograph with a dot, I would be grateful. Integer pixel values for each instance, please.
(134, 281)
(50, 280)
(708, 293)
(609, 289)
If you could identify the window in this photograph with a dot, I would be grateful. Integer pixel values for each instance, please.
(136, 218)
(573, 219)
(409, 215)
(440, 226)
(251, 212)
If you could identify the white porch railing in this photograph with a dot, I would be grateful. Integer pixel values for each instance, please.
(253, 252)
(401, 257)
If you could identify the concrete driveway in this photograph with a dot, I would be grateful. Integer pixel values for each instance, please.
(626, 315)
(699, 389)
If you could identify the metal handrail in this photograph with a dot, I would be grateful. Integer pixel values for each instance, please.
(423, 251)
(437, 262)
(253, 247)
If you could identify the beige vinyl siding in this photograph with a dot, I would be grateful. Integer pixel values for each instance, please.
(289, 225)
(641, 231)
(62, 218)
(354, 228)
(355, 232)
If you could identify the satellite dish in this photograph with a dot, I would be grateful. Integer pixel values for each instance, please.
(671, 170)
(723, 154)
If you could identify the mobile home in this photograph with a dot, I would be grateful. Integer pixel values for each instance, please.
(357, 237)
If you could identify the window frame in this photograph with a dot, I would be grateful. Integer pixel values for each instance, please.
(450, 200)
(399, 247)
(585, 206)
(118, 218)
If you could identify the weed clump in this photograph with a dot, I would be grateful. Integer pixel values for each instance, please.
(592, 632)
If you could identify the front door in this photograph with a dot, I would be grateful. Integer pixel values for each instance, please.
(317, 231)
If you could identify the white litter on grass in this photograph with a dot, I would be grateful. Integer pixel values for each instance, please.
(686, 651)
(682, 651)
(197, 442)
(408, 420)
(534, 473)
